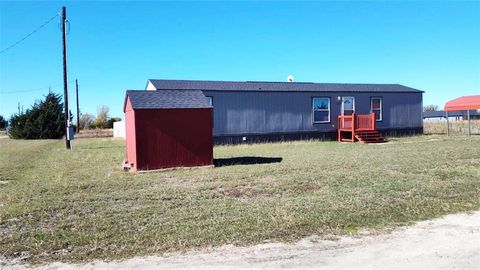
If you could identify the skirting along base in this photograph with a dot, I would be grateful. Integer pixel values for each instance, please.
(302, 135)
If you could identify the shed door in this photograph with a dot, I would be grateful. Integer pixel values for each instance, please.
(348, 105)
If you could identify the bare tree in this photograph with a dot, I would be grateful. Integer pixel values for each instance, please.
(430, 108)
(86, 121)
(102, 117)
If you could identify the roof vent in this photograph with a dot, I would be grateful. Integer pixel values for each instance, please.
(290, 78)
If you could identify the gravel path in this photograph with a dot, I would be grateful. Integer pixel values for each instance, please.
(451, 242)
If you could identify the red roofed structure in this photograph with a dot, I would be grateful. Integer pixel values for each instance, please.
(463, 103)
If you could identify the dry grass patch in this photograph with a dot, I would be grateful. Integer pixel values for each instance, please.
(456, 127)
(79, 205)
(94, 133)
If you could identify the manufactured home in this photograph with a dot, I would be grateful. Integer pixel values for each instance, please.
(270, 111)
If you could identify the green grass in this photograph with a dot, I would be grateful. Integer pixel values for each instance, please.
(79, 205)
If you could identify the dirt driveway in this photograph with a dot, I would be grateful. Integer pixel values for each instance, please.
(451, 242)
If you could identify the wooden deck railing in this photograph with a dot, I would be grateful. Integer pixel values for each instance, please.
(366, 122)
(346, 122)
(354, 122)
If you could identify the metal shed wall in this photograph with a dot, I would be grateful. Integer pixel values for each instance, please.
(257, 112)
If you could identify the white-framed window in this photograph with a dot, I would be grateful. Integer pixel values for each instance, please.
(376, 107)
(321, 110)
(348, 105)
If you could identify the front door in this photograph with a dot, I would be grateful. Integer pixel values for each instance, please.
(348, 105)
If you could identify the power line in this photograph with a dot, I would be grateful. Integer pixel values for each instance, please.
(34, 89)
(33, 32)
(24, 91)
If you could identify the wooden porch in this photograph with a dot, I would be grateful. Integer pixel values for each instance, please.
(361, 127)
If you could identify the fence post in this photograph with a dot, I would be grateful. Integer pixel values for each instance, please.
(468, 117)
(448, 128)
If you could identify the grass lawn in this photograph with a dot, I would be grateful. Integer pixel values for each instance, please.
(80, 205)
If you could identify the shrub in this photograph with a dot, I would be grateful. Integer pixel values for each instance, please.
(112, 120)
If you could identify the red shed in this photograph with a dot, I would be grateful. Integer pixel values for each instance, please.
(168, 128)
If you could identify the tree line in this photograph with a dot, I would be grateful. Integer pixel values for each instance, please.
(431, 108)
(46, 120)
(102, 120)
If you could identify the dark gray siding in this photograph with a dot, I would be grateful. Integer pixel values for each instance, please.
(256, 112)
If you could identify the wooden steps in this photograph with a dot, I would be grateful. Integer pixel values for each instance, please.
(362, 128)
(371, 136)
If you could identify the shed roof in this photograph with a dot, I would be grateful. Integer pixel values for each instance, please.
(168, 99)
(277, 86)
(463, 103)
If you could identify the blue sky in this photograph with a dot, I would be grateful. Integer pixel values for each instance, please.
(114, 46)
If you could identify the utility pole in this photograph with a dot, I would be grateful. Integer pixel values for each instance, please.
(65, 78)
(78, 108)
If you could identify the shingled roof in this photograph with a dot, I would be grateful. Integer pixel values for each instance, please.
(168, 99)
(278, 86)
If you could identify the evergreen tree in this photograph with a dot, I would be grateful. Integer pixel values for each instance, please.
(45, 120)
(3, 123)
